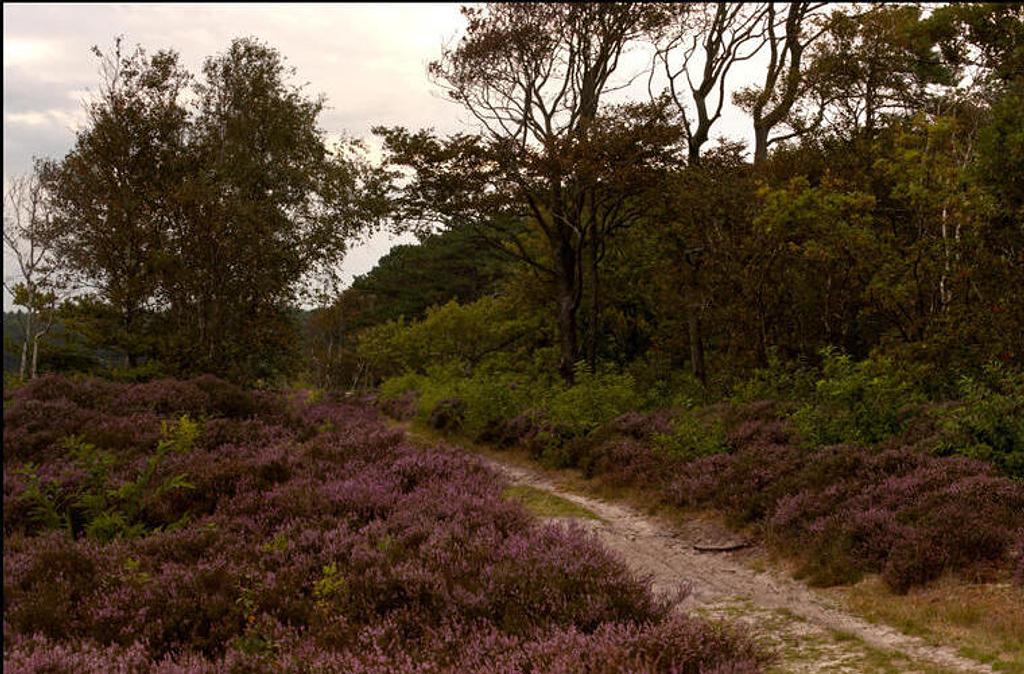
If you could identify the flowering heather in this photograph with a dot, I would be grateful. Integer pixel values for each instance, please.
(277, 535)
(844, 509)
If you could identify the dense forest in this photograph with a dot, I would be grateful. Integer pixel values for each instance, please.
(815, 331)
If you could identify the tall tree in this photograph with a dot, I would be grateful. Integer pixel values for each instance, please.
(202, 223)
(623, 168)
(265, 204)
(698, 46)
(875, 63)
(533, 77)
(110, 191)
(788, 34)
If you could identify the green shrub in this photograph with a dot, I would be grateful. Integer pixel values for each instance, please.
(663, 385)
(692, 437)
(988, 424)
(394, 387)
(492, 399)
(863, 402)
(593, 399)
(459, 333)
(485, 397)
(780, 380)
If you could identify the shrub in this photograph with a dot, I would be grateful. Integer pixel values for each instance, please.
(100, 494)
(226, 399)
(780, 380)
(988, 423)
(692, 437)
(448, 415)
(453, 333)
(593, 399)
(847, 509)
(861, 402)
(317, 540)
(662, 385)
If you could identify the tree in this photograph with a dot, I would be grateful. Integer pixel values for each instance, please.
(698, 45)
(626, 165)
(785, 80)
(876, 63)
(111, 192)
(38, 285)
(444, 266)
(202, 223)
(985, 36)
(265, 206)
(533, 77)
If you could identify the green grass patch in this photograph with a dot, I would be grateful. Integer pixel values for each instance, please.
(545, 504)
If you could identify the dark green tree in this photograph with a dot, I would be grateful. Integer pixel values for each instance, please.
(111, 193)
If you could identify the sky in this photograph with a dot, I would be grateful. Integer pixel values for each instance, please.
(368, 59)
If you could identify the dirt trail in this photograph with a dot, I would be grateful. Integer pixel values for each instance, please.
(810, 633)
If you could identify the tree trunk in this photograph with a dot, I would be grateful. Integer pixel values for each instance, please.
(693, 150)
(595, 307)
(29, 329)
(568, 302)
(35, 355)
(128, 321)
(696, 344)
(760, 143)
(24, 359)
(566, 334)
(693, 323)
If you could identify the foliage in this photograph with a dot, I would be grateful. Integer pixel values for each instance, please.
(863, 402)
(226, 200)
(988, 422)
(408, 281)
(779, 380)
(536, 78)
(98, 505)
(449, 335)
(692, 437)
(594, 398)
(441, 267)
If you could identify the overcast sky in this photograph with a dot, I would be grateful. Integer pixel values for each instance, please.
(368, 59)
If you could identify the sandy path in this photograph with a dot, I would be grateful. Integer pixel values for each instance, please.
(810, 633)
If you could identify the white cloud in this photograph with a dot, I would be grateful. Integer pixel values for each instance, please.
(30, 118)
(26, 51)
(61, 118)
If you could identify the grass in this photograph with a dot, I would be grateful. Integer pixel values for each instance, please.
(802, 647)
(885, 662)
(984, 622)
(545, 504)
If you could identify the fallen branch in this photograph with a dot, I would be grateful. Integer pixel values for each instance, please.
(729, 547)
